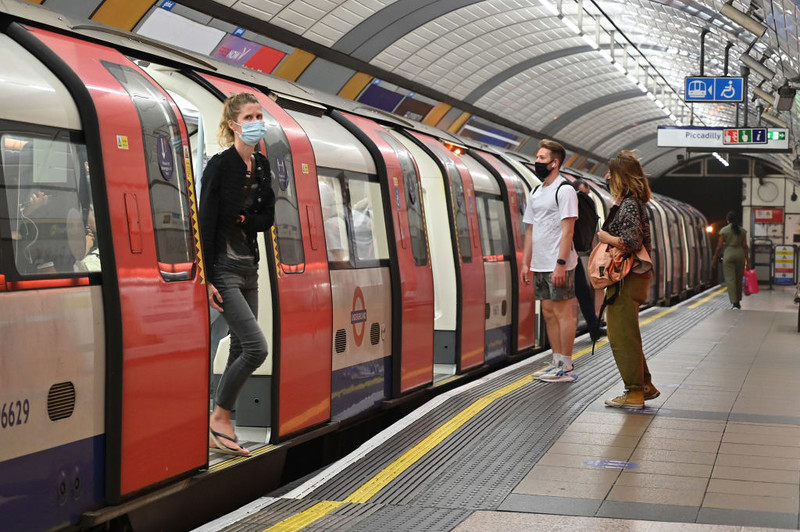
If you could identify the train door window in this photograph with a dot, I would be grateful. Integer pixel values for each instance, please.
(287, 215)
(522, 202)
(459, 206)
(46, 218)
(166, 174)
(366, 221)
(494, 235)
(414, 207)
(334, 218)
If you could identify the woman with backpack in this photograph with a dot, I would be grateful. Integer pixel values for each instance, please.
(735, 258)
(627, 228)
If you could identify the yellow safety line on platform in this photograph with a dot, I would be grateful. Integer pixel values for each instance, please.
(707, 298)
(231, 461)
(398, 466)
(374, 485)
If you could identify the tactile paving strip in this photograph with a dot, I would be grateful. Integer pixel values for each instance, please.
(480, 464)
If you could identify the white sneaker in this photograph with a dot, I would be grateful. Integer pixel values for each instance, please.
(559, 376)
(549, 368)
(561, 372)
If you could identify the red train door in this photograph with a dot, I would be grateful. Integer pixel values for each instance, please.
(303, 307)
(524, 319)
(471, 282)
(156, 422)
(412, 279)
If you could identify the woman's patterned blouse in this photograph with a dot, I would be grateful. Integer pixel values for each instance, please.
(629, 221)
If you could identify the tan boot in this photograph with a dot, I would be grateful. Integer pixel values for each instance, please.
(633, 399)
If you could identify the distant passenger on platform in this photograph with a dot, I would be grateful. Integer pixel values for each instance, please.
(628, 228)
(583, 290)
(236, 204)
(735, 257)
(550, 255)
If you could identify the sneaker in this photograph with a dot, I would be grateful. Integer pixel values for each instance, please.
(630, 399)
(559, 376)
(650, 392)
(548, 369)
(737, 305)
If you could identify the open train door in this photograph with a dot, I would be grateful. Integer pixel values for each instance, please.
(298, 267)
(154, 294)
(412, 279)
(467, 243)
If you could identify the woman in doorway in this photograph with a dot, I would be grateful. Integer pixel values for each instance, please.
(236, 203)
(735, 257)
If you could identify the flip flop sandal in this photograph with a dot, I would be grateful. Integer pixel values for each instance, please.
(221, 447)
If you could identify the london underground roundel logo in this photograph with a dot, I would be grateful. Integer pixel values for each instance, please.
(358, 316)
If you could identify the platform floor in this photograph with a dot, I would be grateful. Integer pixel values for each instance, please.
(718, 450)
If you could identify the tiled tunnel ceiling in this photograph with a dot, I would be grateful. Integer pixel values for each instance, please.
(601, 75)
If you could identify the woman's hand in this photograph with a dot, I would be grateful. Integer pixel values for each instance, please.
(607, 238)
(214, 299)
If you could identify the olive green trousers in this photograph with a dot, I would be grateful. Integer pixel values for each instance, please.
(622, 318)
(733, 269)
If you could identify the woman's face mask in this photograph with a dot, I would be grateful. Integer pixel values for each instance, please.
(252, 132)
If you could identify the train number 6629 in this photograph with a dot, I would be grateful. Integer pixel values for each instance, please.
(12, 413)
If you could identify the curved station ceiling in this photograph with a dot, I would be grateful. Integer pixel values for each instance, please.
(597, 75)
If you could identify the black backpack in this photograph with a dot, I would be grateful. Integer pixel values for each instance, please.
(586, 224)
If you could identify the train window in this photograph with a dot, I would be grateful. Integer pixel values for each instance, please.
(459, 205)
(414, 207)
(494, 235)
(352, 211)
(333, 218)
(287, 215)
(522, 202)
(47, 219)
(366, 221)
(166, 174)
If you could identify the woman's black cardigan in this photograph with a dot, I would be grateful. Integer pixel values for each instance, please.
(221, 202)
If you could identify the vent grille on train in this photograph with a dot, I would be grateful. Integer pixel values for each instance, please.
(61, 401)
(488, 311)
(341, 341)
(374, 333)
(292, 103)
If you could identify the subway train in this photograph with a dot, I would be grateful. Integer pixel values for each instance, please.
(392, 268)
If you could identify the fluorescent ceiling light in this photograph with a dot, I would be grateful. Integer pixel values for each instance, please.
(773, 119)
(742, 19)
(720, 158)
(757, 67)
(764, 95)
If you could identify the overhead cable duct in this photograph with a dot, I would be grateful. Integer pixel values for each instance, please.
(757, 67)
(742, 19)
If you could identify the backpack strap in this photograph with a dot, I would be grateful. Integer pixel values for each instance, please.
(559, 188)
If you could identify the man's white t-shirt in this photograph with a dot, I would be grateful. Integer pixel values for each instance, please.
(545, 215)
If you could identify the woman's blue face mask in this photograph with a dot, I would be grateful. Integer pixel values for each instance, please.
(252, 132)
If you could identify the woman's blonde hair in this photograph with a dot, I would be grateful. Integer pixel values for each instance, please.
(628, 177)
(230, 111)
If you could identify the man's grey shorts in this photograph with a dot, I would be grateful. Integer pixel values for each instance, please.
(544, 288)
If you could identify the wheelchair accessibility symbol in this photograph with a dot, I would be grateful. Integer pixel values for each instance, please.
(728, 92)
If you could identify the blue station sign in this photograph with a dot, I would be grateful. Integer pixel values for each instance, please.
(713, 89)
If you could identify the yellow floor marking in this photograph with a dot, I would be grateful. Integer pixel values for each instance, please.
(396, 468)
(374, 485)
(231, 461)
(707, 298)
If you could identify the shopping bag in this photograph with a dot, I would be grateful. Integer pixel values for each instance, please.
(750, 283)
